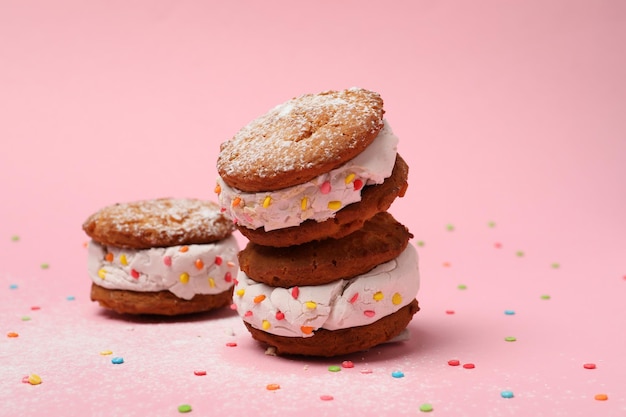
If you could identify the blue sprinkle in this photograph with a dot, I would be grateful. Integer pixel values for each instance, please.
(509, 312)
(13, 286)
(70, 298)
(397, 374)
(117, 360)
(507, 394)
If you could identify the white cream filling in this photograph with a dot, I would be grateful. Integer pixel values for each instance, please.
(318, 199)
(183, 270)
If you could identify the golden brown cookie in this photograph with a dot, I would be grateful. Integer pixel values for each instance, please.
(381, 239)
(162, 303)
(158, 223)
(374, 199)
(301, 139)
(330, 343)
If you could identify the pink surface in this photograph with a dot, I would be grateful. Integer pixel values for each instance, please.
(507, 112)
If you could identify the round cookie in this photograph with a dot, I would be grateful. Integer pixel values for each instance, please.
(300, 139)
(158, 223)
(374, 199)
(381, 239)
(330, 343)
(163, 256)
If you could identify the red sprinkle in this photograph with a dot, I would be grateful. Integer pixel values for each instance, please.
(449, 311)
(347, 364)
(228, 277)
(134, 273)
(358, 184)
(199, 373)
(218, 260)
(497, 245)
(280, 315)
(589, 366)
(231, 344)
(369, 313)
(326, 397)
(325, 187)
(354, 298)
(454, 362)
(469, 366)
(295, 292)
(35, 308)
(167, 260)
(248, 313)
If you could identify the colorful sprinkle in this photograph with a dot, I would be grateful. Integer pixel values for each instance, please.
(510, 339)
(218, 260)
(450, 227)
(184, 278)
(15, 238)
(306, 329)
(13, 287)
(397, 374)
(545, 297)
(272, 387)
(454, 362)
(555, 265)
(45, 266)
(267, 201)
(259, 298)
(236, 201)
(334, 368)
(311, 305)
(34, 379)
(228, 277)
(462, 287)
(396, 299)
(184, 408)
(491, 224)
(358, 184)
(199, 264)
(199, 373)
(469, 366)
(295, 292)
(211, 282)
(369, 313)
(183, 249)
(326, 397)
(70, 298)
(497, 245)
(123, 260)
(108, 257)
(519, 253)
(240, 292)
(325, 187)
(167, 260)
(231, 344)
(266, 325)
(589, 366)
(354, 298)
(134, 274)
(349, 178)
(426, 408)
(601, 397)
(378, 296)
(217, 189)
(507, 394)
(509, 312)
(420, 243)
(248, 314)
(280, 315)
(449, 311)
(102, 273)
(106, 352)
(347, 364)
(25, 318)
(334, 205)
(12, 334)
(303, 203)
(117, 360)
(35, 308)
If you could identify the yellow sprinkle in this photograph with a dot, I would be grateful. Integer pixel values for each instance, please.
(106, 352)
(334, 205)
(184, 278)
(266, 325)
(34, 379)
(378, 296)
(267, 201)
(303, 203)
(240, 292)
(102, 273)
(123, 259)
(396, 299)
(349, 178)
(310, 305)
(211, 282)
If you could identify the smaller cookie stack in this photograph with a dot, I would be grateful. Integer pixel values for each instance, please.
(164, 256)
(327, 270)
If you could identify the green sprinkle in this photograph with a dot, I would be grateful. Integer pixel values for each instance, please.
(15, 238)
(44, 266)
(420, 243)
(519, 253)
(556, 265)
(545, 297)
(462, 287)
(184, 408)
(491, 224)
(510, 339)
(426, 408)
(334, 368)
(450, 227)
(25, 318)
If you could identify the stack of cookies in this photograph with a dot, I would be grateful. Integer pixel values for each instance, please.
(327, 270)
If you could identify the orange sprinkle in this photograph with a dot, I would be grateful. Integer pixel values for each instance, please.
(183, 249)
(272, 387)
(109, 257)
(306, 329)
(199, 264)
(12, 334)
(601, 397)
(236, 201)
(259, 298)
(218, 189)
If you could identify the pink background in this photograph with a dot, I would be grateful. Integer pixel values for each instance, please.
(509, 112)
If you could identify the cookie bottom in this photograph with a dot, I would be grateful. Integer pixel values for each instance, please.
(374, 199)
(162, 303)
(330, 343)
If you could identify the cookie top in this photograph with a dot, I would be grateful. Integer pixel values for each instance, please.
(158, 223)
(300, 139)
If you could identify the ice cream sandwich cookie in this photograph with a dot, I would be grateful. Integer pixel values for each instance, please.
(163, 256)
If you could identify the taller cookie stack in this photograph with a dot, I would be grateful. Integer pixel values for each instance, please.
(327, 270)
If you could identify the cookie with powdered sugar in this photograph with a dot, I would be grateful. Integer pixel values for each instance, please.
(163, 256)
